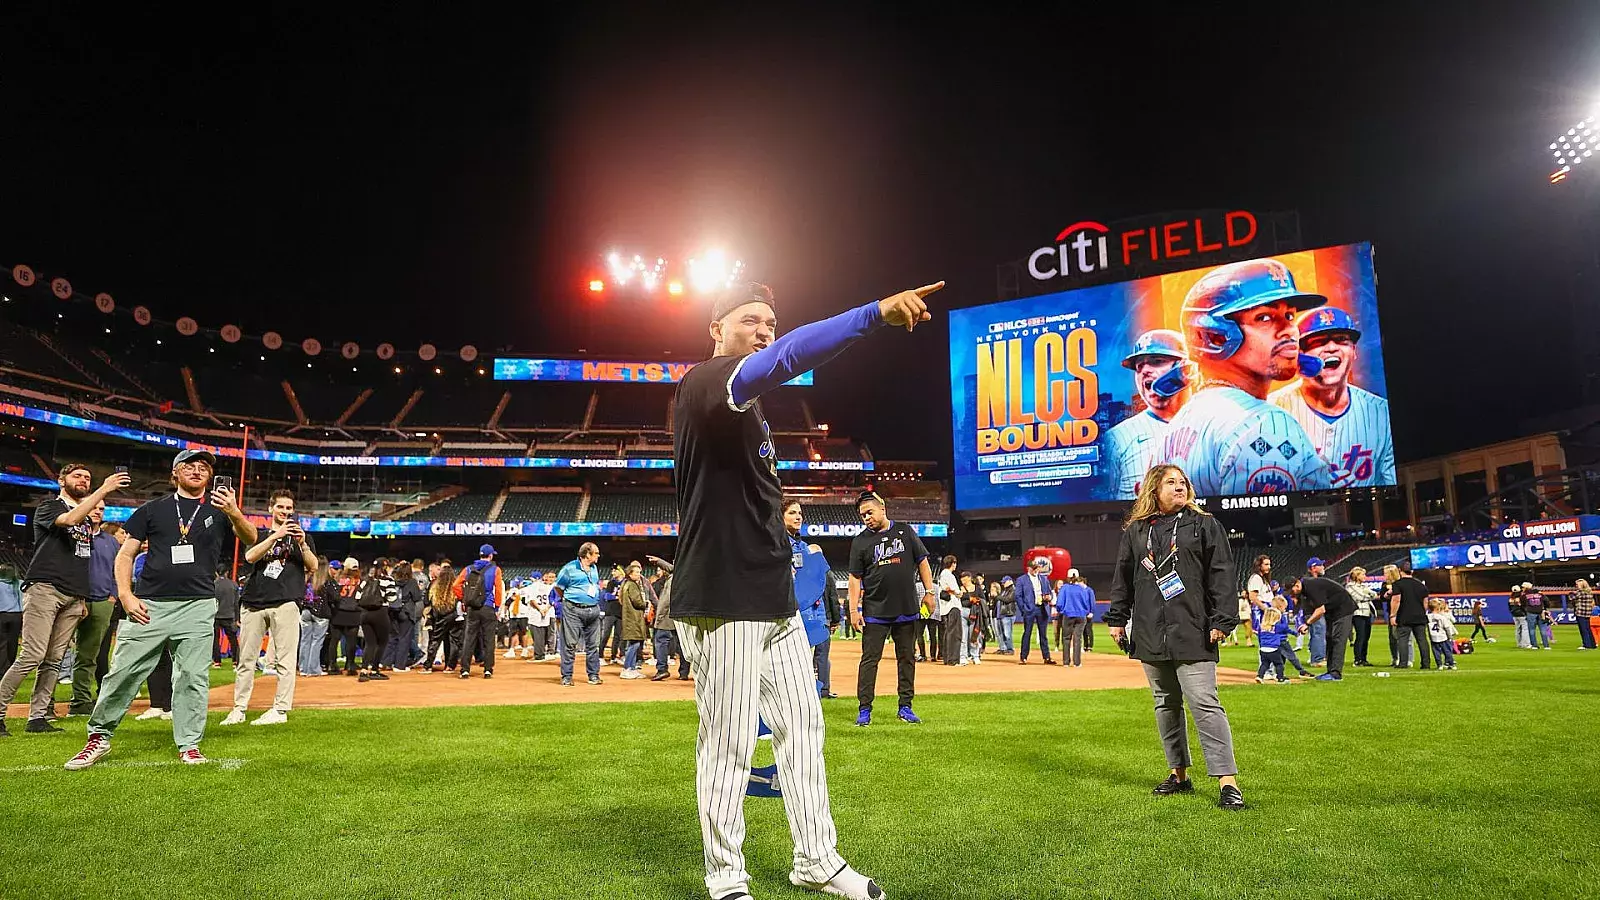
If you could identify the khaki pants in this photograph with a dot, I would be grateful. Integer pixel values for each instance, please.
(283, 623)
(49, 621)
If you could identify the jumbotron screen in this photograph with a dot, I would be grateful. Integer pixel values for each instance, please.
(1258, 377)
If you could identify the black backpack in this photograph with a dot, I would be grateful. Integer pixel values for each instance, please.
(474, 593)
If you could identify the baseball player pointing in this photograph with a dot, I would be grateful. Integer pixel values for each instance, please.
(733, 584)
(1238, 321)
(1348, 426)
(1161, 374)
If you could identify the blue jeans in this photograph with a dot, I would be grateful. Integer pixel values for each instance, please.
(1292, 657)
(666, 641)
(824, 667)
(1585, 633)
(580, 624)
(1444, 652)
(630, 656)
(1522, 631)
(1319, 641)
(1535, 633)
(1004, 633)
(312, 633)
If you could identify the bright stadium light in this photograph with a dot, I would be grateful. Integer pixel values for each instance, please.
(596, 285)
(675, 288)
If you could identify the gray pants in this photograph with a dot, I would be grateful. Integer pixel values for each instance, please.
(1404, 635)
(1072, 640)
(1338, 641)
(1172, 683)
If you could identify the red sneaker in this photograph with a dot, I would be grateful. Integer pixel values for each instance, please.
(192, 757)
(99, 745)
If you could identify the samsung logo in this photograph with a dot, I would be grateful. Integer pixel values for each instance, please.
(1259, 501)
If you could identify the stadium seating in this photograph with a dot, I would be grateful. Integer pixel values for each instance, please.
(1373, 559)
(632, 508)
(455, 406)
(784, 411)
(540, 507)
(460, 508)
(830, 514)
(632, 406)
(790, 447)
(546, 405)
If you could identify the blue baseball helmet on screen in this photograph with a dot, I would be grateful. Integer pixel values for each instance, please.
(1156, 342)
(1327, 320)
(1231, 289)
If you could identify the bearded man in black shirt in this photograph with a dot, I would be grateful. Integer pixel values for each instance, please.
(54, 589)
(733, 584)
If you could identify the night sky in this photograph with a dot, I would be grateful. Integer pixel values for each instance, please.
(417, 178)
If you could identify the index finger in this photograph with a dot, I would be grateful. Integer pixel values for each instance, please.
(927, 289)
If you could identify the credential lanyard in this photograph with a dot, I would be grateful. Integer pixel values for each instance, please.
(1150, 550)
(183, 527)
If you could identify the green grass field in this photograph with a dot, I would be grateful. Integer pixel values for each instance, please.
(1474, 783)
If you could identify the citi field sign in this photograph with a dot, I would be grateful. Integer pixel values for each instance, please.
(1091, 248)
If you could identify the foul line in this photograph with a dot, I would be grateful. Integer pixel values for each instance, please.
(227, 764)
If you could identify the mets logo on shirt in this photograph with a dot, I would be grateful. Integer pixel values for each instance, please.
(1269, 480)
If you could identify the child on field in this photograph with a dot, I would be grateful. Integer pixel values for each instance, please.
(1442, 632)
(1292, 620)
(1272, 632)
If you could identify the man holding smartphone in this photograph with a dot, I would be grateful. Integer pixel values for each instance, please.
(175, 604)
(280, 559)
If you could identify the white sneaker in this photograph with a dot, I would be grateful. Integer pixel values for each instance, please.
(511, 654)
(153, 713)
(234, 718)
(847, 883)
(271, 717)
(631, 674)
(99, 745)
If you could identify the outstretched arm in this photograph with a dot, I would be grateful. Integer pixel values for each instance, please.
(811, 345)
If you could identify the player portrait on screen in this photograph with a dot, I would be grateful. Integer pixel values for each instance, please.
(1348, 426)
(1239, 325)
(1162, 374)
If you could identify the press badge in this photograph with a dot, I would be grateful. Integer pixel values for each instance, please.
(1170, 584)
(273, 569)
(182, 554)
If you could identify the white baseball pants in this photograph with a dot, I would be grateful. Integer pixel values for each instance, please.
(742, 670)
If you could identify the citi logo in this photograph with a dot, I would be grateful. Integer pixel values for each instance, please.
(1085, 247)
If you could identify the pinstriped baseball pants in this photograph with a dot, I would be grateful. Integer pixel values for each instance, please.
(743, 670)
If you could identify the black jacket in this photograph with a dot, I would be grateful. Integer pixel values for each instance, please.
(1177, 629)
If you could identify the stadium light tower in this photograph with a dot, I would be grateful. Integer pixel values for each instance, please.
(1574, 148)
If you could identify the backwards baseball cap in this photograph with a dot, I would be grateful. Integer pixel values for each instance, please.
(1314, 561)
(205, 456)
(1072, 573)
(869, 496)
(350, 562)
(486, 550)
(737, 296)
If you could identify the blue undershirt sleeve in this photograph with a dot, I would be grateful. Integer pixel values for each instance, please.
(799, 351)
